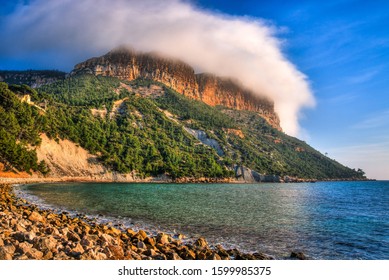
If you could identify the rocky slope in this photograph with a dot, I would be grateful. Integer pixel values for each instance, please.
(129, 65)
(32, 78)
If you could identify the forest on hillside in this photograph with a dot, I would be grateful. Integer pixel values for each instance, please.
(132, 133)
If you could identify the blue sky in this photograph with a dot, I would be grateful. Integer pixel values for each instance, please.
(341, 46)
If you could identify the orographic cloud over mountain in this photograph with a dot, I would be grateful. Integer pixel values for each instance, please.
(243, 48)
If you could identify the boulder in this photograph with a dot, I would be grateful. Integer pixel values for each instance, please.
(150, 253)
(45, 244)
(141, 245)
(149, 240)
(72, 236)
(141, 235)
(88, 255)
(61, 256)
(201, 256)
(261, 256)
(201, 243)
(130, 232)
(18, 227)
(179, 236)
(51, 216)
(34, 254)
(298, 256)
(86, 241)
(159, 257)
(163, 238)
(101, 256)
(115, 252)
(186, 254)
(35, 217)
(9, 248)
(77, 250)
(114, 231)
(52, 231)
(107, 238)
(48, 256)
(4, 255)
(24, 248)
(173, 256)
(24, 236)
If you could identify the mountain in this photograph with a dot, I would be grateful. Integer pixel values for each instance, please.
(32, 78)
(129, 116)
(127, 64)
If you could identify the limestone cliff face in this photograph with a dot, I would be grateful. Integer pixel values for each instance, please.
(229, 93)
(128, 64)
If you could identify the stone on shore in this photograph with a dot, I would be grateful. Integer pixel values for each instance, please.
(35, 217)
(27, 232)
(298, 256)
(163, 238)
(201, 243)
(34, 254)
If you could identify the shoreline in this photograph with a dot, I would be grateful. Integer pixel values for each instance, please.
(33, 180)
(28, 232)
(24, 226)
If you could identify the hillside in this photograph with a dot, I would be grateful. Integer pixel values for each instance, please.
(32, 78)
(127, 64)
(146, 129)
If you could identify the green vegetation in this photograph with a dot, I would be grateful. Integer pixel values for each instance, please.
(20, 125)
(270, 151)
(188, 109)
(263, 148)
(31, 77)
(135, 136)
(86, 90)
(131, 133)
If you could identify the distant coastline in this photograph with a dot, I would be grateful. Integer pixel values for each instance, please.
(28, 180)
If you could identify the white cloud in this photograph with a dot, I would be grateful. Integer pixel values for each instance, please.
(239, 47)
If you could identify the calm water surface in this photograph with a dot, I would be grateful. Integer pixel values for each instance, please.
(326, 220)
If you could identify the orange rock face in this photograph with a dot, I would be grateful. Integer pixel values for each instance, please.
(129, 65)
(236, 132)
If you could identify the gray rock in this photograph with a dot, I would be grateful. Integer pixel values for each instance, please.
(298, 256)
(203, 138)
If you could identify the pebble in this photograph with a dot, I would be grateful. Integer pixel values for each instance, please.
(27, 232)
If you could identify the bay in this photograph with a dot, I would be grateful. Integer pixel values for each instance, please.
(325, 220)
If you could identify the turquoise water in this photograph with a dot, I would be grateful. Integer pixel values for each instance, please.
(325, 220)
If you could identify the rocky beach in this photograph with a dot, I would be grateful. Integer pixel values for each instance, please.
(27, 232)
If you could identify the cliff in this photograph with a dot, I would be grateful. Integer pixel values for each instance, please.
(32, 78)
(127, 64)
(229, 93)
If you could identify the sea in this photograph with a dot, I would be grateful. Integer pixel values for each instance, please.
(324, 220)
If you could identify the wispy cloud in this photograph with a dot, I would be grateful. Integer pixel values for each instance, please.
(378, 120)
(340, 99)
(363, 77)
(243, 48)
